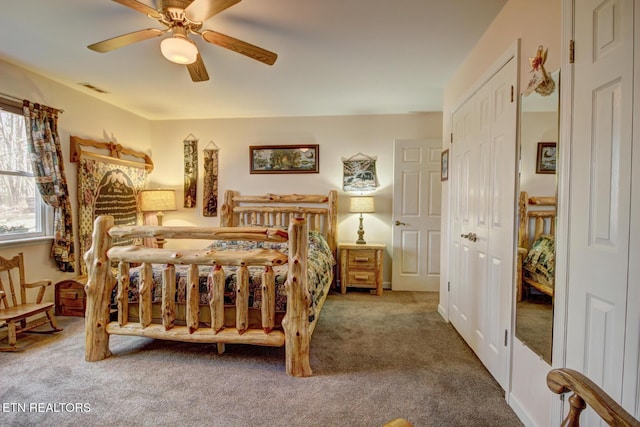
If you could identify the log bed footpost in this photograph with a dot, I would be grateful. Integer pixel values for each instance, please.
(100, 282)
(296, 321)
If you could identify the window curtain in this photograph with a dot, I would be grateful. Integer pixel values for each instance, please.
(48, 168)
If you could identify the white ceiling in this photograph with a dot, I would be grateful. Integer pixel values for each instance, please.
(335, 57)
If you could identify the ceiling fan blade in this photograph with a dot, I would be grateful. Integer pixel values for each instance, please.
(201, 10)
(239, 46)
(140, 7)
(198, 71)
(125, 40)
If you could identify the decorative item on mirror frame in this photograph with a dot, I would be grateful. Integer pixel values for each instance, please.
(546, 158)
(444, 165)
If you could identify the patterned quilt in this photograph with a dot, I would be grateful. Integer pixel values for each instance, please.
(540, 261)
(320, 262)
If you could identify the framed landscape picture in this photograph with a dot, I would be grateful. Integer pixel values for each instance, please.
(546, 158)
(284, 158)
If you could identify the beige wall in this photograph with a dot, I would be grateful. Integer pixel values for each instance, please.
(84, 116)
(341, 136)
(535, 128)
(338, 137)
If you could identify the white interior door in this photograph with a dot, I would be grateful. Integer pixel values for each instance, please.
(416, 215)
(600, 203)
(483, 212)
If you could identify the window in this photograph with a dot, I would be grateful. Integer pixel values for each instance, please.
(23, 214)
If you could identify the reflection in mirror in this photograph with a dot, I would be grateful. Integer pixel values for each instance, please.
(536, 227)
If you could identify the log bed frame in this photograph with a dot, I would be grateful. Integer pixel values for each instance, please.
(243, 218)
(541, 221)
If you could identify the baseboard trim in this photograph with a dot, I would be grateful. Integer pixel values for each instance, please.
(520, 412)
(443, 313)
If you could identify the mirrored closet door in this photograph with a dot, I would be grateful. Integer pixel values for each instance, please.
(535, 258)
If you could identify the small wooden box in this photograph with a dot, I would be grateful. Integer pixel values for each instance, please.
(70, 298)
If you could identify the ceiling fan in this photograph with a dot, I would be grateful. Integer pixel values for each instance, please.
(181, 18)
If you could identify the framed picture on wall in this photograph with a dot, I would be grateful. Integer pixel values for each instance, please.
(546, 158)
(284, 158)
(444, 165)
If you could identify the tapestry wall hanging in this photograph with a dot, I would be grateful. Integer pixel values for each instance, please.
(210, 184)
(107, 189)
(359, 173)
(190, 171)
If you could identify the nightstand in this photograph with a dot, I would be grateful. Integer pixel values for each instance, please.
(361, 266)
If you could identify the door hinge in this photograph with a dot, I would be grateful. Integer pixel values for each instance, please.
(572, 51)
(448, 286)
(506, 335)
(512, 93)
(452, 137)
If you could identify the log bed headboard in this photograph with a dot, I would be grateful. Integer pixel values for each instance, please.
(320, 211)
(534, 223)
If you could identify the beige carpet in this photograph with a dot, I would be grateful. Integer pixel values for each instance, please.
(374, 359)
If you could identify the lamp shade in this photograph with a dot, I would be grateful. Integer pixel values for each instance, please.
(157, 200)
(179, 49)
(361, 204)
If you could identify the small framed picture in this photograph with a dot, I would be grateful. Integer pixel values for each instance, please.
(546, 158)
(284, 158)
(444, 165)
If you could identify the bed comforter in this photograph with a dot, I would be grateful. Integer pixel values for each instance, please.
(320, 264)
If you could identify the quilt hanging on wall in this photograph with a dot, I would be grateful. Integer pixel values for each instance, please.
(359, 173)
(107, 189)
(190, 171)
(210, 183)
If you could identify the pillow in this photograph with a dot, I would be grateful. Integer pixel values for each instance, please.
(541, 259)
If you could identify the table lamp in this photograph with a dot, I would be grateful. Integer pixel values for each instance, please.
(361, 204)
(158, 201)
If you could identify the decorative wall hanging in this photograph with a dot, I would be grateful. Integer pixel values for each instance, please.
(359, 173)
(546, 158)
(190, 171)
(210, 193)
(107, 189)
(444, 165)
(540, 82)
(107, 185)
(284, 158)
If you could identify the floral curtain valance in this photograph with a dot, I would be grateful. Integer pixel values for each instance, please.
(48, 168)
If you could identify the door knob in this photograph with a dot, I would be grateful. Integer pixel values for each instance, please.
(401, 223)
(471, 236)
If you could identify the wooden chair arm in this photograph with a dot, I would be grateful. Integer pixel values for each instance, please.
(586, 392)
(42, 284)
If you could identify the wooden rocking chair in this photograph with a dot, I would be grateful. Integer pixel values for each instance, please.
(15, 314)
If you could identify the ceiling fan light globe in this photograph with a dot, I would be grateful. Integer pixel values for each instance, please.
(179, 50)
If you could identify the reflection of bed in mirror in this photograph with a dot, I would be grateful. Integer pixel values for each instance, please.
(536, 245)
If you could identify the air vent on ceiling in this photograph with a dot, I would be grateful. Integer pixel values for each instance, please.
(93, 88)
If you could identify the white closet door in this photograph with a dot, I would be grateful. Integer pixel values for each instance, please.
(483, 206)
(600, 203)
(462, 176)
